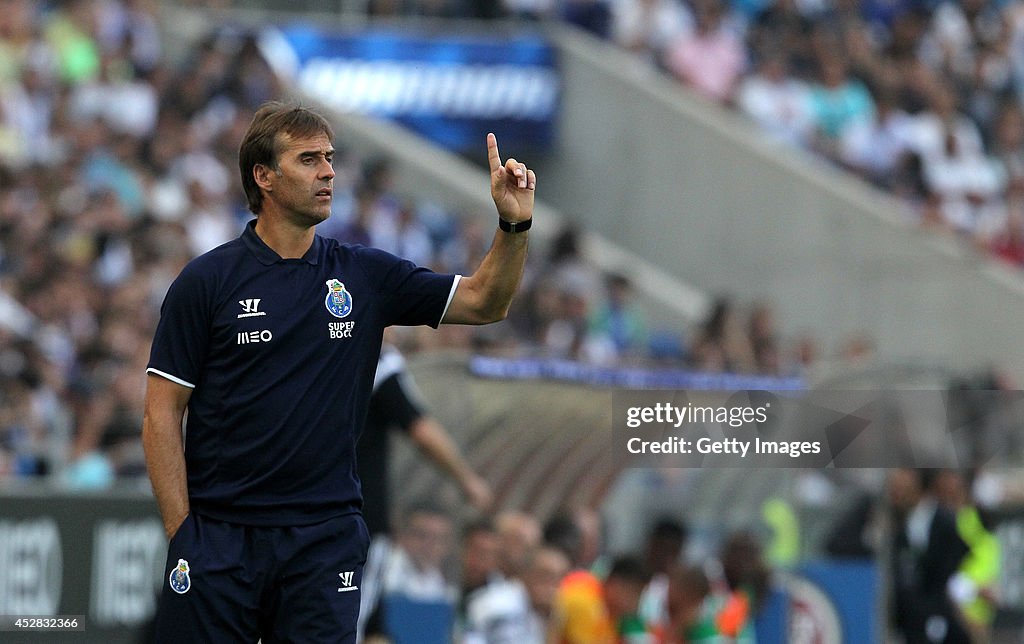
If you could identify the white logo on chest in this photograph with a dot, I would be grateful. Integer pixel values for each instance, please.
(338, 330)
(250, 308)
(255, 337)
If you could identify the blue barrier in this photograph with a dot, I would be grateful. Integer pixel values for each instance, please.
(828, 602)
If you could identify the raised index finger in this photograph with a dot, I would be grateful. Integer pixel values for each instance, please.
(492, 152)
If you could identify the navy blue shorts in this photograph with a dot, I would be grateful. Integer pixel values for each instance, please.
(226, 582)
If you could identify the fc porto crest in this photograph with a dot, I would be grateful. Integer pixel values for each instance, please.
(179, 579)
(338, 300)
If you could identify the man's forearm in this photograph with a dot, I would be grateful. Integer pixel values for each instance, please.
(488, 292)
(431, 438)
(165, 459)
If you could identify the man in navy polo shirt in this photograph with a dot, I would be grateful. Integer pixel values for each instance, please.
(270, 342)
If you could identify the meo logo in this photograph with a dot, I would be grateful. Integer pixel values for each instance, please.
(254, 337)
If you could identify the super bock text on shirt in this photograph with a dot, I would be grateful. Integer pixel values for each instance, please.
(281, 354)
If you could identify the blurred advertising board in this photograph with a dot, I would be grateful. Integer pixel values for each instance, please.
(97, 557)
(449, 87)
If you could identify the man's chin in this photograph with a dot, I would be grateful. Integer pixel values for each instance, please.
(318, 217)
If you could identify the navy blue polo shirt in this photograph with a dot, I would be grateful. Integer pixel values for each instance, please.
(281, 355)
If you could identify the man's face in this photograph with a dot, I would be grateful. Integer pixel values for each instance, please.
(622, 596)
(479, 558)
(542, 578)
(904, 489)
(427, 540)
(303, 184)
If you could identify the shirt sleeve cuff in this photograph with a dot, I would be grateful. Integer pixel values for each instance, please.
(175, 379)
(451, 296)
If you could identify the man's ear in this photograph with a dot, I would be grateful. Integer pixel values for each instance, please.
(261, 174)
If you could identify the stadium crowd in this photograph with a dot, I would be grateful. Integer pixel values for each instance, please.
(117, 167)
(920, 97)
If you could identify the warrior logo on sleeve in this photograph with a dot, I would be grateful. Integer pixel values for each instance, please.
(338, 300)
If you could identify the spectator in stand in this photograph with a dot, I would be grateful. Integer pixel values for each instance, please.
(519, 534)
(1009, 243)
(879, 148)
(647, 27)
(358, 229)
(479, 562)
(764, 339)
(466, 247)
(926, 553)
(723, 344)
(529, 9)
(711, 58)
(974, 587)
(966, 183)
(589, 611)
(594, 16)
(619, 322)
(783, 27)
(1008, 145)
(688, 608)
(411, 238)
(518, 611)
(415, 569)
(745, 575)
(778, 102)
(665, 547)
(719, 602)
(838, 101)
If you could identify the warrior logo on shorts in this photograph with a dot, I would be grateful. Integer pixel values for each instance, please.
(180, 581)
(338, 300)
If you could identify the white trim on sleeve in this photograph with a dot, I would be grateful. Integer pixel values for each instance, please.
(171, 378)
(451, 296)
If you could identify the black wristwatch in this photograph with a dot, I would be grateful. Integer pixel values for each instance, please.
(515, 227)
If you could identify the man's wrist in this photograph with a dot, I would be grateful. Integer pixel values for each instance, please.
(514, 226)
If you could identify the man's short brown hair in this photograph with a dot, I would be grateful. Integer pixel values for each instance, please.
(262, 141)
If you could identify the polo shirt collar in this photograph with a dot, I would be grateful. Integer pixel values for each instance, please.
(267, 255)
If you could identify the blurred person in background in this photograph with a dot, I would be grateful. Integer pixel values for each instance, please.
(927, 551)
(742, 587)
(478, 570)
(764, 339)
(619, 321)
(397, 405)
(594, 16)
(838, 101)
(710, 58)
(517, 611)
(562, 532)
(663, 553)
(777, 101)
(415, 568)
(588, 610)
(647, 27)
(975, 585)
(689, 617)
(723, 344)
(719, 601)
(414, 577)
(519, 533)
